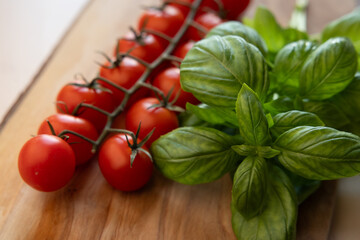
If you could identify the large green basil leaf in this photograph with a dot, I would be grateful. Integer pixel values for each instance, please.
(216, 67)
(213, 115)
(346, 26)
(238, 29)
(250, 186)
(260, 151)
(329, 69)
(266, 25)
(289, 61)
(288, 120)
(349, 99)
(331, 114)
(193, 155)
(253, 124)
(319, 153)
(277, 221)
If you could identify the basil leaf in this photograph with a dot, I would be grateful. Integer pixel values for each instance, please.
(260, 151)
(289, 61)
(250, 186)
(319, 153)
(216, 67)
(353, 127)
(277, 221)
(349, 99)
(193, 155)
(293, 34)
(331, 114)
(213, 115)
(279, 105)
(346, 26)
(238, 29)
(328, 70)
(253, 124)
(266, 25)
(288, 120)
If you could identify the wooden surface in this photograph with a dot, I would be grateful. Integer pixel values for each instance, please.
(89, 208)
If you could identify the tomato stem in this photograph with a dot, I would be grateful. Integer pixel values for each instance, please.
(165, 56)
(63, 134)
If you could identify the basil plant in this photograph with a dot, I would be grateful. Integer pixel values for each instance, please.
(279, 118)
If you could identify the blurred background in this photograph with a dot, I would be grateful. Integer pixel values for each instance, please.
(29, 31)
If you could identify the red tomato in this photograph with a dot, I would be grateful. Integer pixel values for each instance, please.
(167, 21)
(46, 163)
(160, 118)
(207, 21)
(183, 49)
(144, 46)
(114, 162)
(70, 96)
(60, 122)
(205, 4)
(233, 8)
(170, 78)
(125, 75)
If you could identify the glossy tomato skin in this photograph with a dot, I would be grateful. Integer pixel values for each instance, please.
(183, 49)
(170, 79)
(46, 163)
(70, 96)
(147, 48)
(207, 21)
(205, 4)
(125, 75)
(232, 8)
(61, 122)
(167, 21)
(114, 163)
(160, 118)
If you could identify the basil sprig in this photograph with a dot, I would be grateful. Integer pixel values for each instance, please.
(276, 107)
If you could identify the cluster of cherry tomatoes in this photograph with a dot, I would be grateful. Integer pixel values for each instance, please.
(134, 96)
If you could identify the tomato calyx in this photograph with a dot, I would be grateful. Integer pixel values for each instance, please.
(63, 135)
(164, 100)
(135, 146)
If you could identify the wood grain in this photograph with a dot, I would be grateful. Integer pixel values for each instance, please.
(88, 208)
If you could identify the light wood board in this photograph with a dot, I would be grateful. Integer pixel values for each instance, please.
(89, 208)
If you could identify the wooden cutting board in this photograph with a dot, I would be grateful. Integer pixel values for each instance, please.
(88, 208)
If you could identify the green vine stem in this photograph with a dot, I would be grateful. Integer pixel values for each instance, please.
(166, 55)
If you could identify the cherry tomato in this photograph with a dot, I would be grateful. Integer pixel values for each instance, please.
(206, 21)
(114, 162)
(183, 49)
(144, 46)
(125, 75)
(233, 8)
(46, 163)
(60, 122)
(160, 118)
(167, 21)
(170, 79)
(70, 96)
(205, 4)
